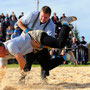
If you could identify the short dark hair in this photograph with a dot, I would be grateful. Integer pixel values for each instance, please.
(46, 9)
(83, 37)
(1, 44)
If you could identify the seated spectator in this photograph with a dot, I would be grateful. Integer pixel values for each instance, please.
(17, 28)
(9, 32)
(53, 53)
(63, 55)
(16, 32)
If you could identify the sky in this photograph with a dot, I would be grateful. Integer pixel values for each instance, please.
(78, 8)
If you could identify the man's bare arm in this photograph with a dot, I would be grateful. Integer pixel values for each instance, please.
(20, 24)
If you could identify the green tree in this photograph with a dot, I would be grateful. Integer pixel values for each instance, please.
(76, 33)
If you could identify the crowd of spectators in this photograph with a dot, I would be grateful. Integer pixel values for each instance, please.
(8, 30)
(79, 48)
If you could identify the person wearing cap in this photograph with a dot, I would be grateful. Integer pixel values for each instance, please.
(15, 34)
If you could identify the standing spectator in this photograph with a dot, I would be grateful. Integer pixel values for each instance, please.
(84, 52)
(2, 16)
(22, 14)
(1, 34)
(7, 16)
(63, 16)
(55, 18)
(5, 25)
(13, 21)
(9, 32)
(13, 15)
(75, 49)
(57, 24)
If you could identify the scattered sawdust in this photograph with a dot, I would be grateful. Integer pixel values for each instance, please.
(61, 78)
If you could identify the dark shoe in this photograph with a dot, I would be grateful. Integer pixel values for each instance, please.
(44, 74)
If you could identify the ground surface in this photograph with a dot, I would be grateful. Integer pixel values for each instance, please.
(61, 78)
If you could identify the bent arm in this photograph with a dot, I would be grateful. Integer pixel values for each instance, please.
(21, 61)
(21, 25)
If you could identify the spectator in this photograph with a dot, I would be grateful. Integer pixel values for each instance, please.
(16, 32)
(5, 25)
(63, 16)
(22, 14)
(55, 20)
(1, 34)
(9, 32)
(7, 16)
(13, 21)
(75, 49)
(2, 20)
(13, 15)
(84, 50)
(53, 52)
(2, 16)
(63, 55)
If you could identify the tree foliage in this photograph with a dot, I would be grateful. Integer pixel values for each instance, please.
(76, 33)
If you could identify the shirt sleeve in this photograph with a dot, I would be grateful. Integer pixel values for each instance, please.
(29, 18)
(26, 18)
(13, 49)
